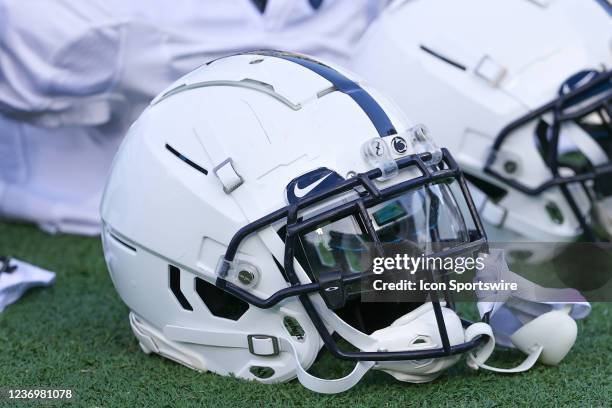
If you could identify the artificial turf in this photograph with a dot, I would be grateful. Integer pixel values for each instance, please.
(76, 336)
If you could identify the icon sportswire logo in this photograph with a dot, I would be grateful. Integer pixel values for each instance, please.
(301, 192)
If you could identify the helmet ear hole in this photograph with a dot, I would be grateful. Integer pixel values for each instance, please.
(262, 372)
(554, 212)
(419, 340)
(294, 328)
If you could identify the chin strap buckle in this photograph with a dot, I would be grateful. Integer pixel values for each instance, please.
(228, 176)
(332, 289)
(490, 70)
(263, 345)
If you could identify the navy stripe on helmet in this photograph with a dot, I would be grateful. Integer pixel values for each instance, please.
(366, 102)
(606, 5)
(315, 4)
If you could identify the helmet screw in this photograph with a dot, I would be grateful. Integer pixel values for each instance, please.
(246, 277)
(510, 166)
(421, 132)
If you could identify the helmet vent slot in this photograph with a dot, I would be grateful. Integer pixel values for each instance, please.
(281, 269)
(219, 302)
(294, 328)
(121, 242)
(495, 193)
(443, 58)
(262, 372)
(186, 160)
(175, 287)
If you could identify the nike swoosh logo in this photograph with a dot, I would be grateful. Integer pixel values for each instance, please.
(301, 192)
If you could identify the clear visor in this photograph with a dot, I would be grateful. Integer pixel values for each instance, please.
(420, 222)
(595, 122)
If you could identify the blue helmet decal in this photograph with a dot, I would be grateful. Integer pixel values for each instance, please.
(366, 102)
(606, 6)
(315, 4)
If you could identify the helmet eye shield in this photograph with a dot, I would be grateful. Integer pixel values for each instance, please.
(420, 221)
(331, 285)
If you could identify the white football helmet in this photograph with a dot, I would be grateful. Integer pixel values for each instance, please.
(239, 212)
(519, 91)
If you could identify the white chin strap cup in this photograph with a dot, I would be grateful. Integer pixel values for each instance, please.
(547, 338)
(412, 331)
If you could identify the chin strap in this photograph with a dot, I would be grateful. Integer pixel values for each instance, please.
(534, 339)
(477, 359)
(324, 386)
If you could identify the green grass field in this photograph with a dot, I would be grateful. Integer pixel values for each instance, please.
(76, 336)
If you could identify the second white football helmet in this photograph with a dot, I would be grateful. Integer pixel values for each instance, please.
(519, 91)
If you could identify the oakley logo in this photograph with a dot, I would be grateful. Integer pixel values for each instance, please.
(301, 192)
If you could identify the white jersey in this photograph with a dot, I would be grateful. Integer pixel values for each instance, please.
(75, 74)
